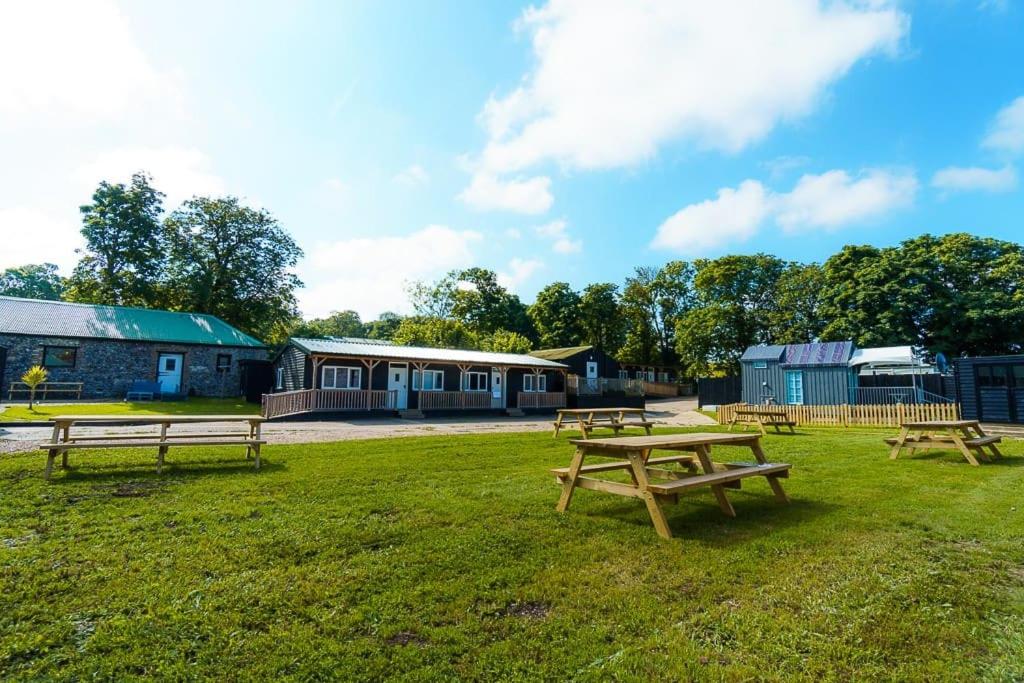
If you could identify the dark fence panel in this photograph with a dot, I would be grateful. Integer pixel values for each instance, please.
(717, 391)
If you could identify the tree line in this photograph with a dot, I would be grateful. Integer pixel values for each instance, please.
(956, 293)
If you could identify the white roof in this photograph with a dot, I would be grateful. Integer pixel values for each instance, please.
(374, 349)
(886, 355)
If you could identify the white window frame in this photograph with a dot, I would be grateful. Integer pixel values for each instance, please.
(437, 380)
(640, 374)
(624, 374)
(481, 381)
(532, 387)
(352, 375)
(279, 379)
(760, 365)
(663, 377)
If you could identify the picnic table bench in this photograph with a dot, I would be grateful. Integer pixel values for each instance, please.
(965, 436)
(655, 484)
(762, 417)
(589, 419)
(63, 441)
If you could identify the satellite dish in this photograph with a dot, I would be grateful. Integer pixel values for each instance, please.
(941, 363)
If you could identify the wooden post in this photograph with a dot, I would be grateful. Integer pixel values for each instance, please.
(163, 449)
(370, 365)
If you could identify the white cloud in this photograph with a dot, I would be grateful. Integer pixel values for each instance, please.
(613, 81)
(413, 176)
(178, 172)
(829, 201)
(513, 234)
(75, 60)
(29, 235)
(834, 199)
(733, 217)
(561, 242)
(518, 272)
(1007, 131)
(369, 274)
(955, 178)
(522, 195)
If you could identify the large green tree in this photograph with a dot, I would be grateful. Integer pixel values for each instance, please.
(602, 322)
(33, 281)
(556, 316)
(124, 261)
(441, 333)
(337, 324)
(384, 326)
(483, 304)
(234, 262)
(653, 301)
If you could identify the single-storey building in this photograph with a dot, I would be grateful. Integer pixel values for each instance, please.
(797, 374)
(991, 388)
(106, 348)
(595, 379)
(587, 361)
(353, 374)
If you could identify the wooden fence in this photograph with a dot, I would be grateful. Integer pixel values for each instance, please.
(540, 399)
(848, 415)
(454, 400)
(660, 389)
(326, 400)
(67, 390)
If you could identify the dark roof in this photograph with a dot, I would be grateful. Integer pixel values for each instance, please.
(763, 352)
(560, 354)
(61, 319)
(373, 348)
(820, 353)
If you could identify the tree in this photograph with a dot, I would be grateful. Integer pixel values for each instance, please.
(485, 306)
(32, 378)
(337, 324)
(797, 316)
(32, 282)
(556, 316)
(124, 259)
(503, 341)
(233, 262)
(383, 327)
(433, 299)
(601, 318)
(653, 302)
(441, 333)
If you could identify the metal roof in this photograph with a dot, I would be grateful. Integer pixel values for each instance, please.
(763, 352)
(887, 356)
(334, 347)
(819, 353)
(560, 354)
(62, 319)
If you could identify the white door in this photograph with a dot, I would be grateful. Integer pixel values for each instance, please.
(591, 369)
(168, 372)
(497, 391)
(398, 381)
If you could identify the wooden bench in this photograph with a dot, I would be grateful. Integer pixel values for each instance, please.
(44, 390)
(965, 436)
(63, 441)
(762, 417)
(731, 474)
(615, 419)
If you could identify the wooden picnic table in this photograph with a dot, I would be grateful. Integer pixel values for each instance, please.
(762, 417)
(62, 441)
(589, 419)
(965, 436)
(656, 485)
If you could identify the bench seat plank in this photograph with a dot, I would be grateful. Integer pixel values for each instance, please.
(49, 446)
(719, 477)
(563, 472)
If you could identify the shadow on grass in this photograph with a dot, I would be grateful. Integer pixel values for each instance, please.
(113, 472)
(954, 456)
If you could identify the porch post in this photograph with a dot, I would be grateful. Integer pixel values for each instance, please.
(370, 365)
(504, 386)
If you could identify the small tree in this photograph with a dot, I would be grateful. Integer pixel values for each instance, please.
(35, 376)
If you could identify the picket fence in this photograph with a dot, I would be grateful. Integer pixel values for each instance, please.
(849, 415)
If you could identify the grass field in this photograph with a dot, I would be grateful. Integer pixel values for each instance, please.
(192, 406)
(443, 558)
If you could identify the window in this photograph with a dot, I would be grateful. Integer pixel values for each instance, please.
(59, 356)
(760, 365)
(279, 380)
(428, 380)
(650, 375)
(223, 362)
(623, 374)
(795, 387)
(535, 383)
(341, 378)
(474, 381)
(639, 374)
(663, 377)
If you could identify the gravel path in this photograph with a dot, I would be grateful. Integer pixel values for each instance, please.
(666, 412)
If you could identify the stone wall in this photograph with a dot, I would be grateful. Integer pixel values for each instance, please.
(107, 367)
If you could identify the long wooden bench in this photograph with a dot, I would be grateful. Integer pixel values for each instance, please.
(976, 442)
(734, 472)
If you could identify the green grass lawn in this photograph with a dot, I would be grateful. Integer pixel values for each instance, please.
(192, 406)
(443, 558)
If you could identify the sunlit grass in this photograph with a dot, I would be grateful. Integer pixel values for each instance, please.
(191, 406)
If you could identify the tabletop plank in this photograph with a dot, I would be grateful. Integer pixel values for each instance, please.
(587, 411)
(940, 424)
(634, 443)
(156, 419)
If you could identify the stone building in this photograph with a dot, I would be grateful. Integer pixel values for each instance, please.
(106, 348)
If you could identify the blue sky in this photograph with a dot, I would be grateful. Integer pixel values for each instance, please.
(561, 141)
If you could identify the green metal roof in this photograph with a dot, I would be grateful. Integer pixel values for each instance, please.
(61, 319)
(560, 354)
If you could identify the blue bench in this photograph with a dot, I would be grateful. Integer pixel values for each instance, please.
(143, 390)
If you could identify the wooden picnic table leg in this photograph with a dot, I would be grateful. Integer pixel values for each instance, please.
(709, 468)
(978, 430)
(898, 446)
(162, 451)
(65, 438)
(773, 481)
(583, 426)
(256, 446)
(569, 483)
(760, 425)
(638, 461)
(962, 447)
(51, 454)
(558, 425)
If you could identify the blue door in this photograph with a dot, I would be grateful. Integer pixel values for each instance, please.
(794, 387)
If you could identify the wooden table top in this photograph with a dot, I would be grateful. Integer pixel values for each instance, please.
(761, 411)
(587, 411)
(940, 424)
(157, 419)
(634, 443)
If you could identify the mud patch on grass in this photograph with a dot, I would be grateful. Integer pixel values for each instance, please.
(530, 609)
(121, 489)
(404, 638)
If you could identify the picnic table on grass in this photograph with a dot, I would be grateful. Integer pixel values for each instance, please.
(589, 419)
(965, 436)
(63, 440)
(762, 417)
(655, 484)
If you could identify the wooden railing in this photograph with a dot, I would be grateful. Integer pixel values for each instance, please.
(327, 400)
(454, 400)
(599, 386)
(848, 415)
(541, 399)
(46, 390)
